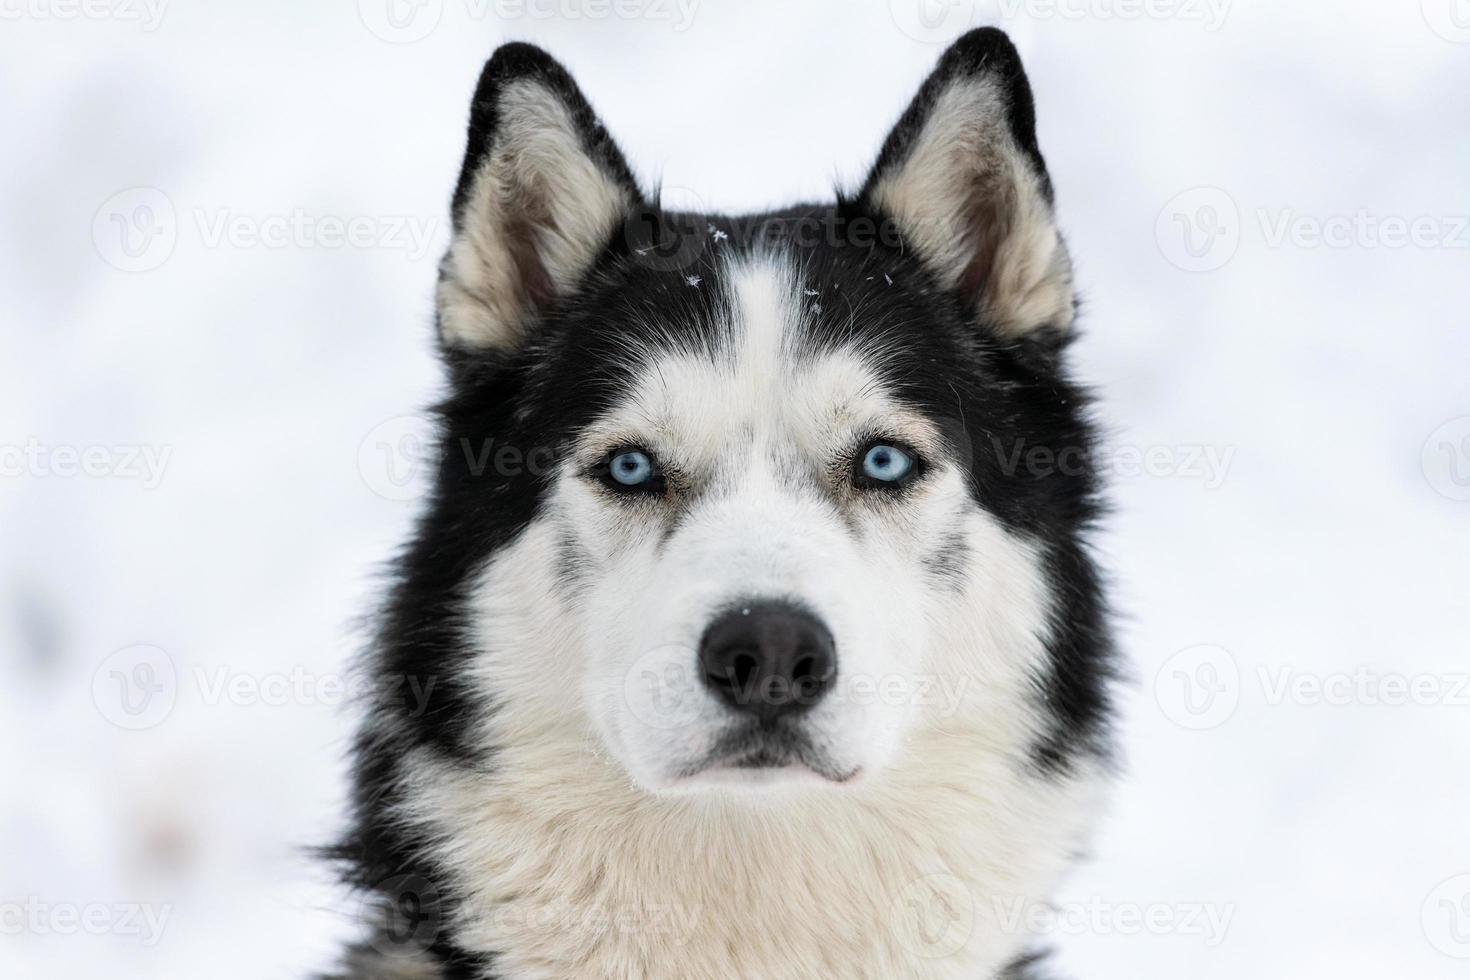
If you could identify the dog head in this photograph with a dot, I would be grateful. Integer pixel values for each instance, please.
(749, 501)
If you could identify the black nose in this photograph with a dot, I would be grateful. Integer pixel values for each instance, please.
(768, 659)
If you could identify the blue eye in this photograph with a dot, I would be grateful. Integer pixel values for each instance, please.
(633, 469)
(884, 464)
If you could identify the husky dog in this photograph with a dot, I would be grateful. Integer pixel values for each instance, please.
(750, 629)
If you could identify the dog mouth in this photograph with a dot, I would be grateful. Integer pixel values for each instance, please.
(757, 752)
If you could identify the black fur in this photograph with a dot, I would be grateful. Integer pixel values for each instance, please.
(994, 397)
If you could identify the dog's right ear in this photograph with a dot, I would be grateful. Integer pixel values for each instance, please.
(542, 190)
(963, 177)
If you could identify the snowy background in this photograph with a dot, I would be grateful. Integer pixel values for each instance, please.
(220, 226)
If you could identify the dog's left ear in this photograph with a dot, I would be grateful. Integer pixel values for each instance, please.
(964, 181)
(541, 192)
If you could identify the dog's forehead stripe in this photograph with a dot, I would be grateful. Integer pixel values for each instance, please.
(767, 315)
(766, 391)
(755, 380)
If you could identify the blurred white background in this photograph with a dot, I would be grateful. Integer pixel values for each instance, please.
(221, 224)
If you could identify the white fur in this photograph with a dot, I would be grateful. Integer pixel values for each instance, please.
(581, 855)
(756, 431)
(535, 176)
(967, 193)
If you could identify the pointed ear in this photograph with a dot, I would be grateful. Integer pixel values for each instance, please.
(962, 178)
(541, 193)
